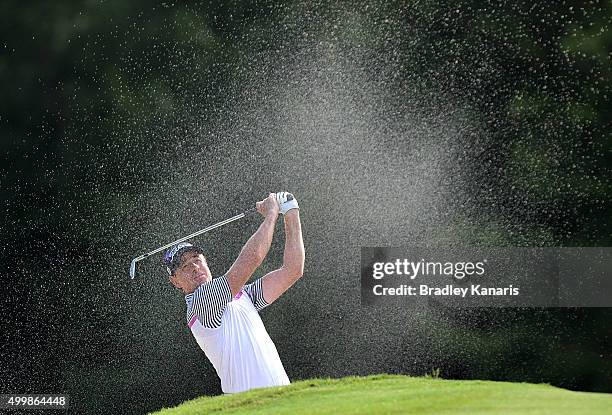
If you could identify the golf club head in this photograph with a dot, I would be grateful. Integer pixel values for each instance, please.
(133, 268)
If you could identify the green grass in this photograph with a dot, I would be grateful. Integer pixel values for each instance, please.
(393, 394)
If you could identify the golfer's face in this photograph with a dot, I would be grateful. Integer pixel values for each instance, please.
(193, 268)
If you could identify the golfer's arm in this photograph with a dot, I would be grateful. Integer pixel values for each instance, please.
(277, 282)
(251, 255)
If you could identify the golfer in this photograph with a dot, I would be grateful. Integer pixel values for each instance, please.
(222, 312)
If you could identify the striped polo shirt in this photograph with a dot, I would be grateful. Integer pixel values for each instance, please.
(233, 337)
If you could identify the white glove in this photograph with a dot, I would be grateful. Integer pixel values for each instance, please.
(286, 202)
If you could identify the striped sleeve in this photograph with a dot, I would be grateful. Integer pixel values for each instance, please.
(255, 292)
(208, 302)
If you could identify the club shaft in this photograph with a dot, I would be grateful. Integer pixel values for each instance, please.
(209, 228)
(200, 232)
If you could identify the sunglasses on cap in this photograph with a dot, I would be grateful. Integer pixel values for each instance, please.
(172, 258)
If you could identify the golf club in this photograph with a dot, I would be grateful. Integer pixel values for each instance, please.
(209, 228)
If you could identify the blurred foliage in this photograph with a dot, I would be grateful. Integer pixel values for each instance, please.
(539, 74)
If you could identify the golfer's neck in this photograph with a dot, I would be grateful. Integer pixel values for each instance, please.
(190, 289)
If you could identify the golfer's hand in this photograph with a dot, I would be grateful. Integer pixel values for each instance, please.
(286, 201)
(268, 206)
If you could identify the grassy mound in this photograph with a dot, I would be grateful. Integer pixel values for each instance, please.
(391, 394)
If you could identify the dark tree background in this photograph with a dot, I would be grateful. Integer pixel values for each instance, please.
(117, 118)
